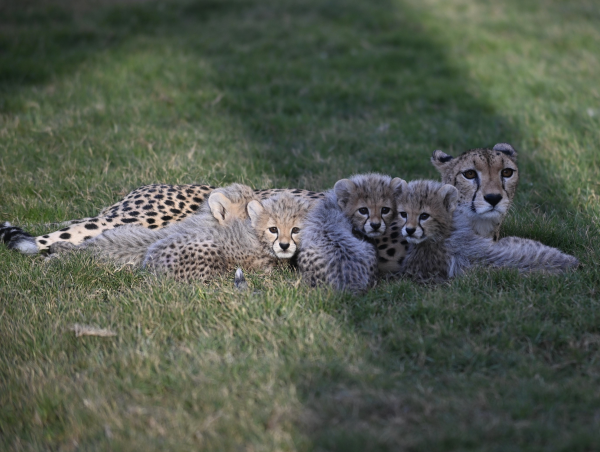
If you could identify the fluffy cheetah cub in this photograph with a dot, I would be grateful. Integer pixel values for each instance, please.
(337, 242)
(442, 243)
(271, 234)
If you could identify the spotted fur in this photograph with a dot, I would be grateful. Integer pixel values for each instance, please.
(128, 245)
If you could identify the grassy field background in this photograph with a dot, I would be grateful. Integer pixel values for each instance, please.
(97, 98)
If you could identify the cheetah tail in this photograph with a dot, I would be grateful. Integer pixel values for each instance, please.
(17, 239)
(529, 255)
(240, 281)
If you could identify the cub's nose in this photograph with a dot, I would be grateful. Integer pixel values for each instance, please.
(284, 246)
(493, 199)
(410, 231)
(375, 226)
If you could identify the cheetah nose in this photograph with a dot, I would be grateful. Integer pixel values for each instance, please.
(410, 231)
(284, 246)
(493, 199)
(375, 226)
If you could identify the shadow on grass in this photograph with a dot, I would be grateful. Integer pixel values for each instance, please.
(320, 89)
(325, 88)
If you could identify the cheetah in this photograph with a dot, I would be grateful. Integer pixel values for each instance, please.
(151, 207)
(486, 179)
(443, 243)
(270, 236)
(337, 243)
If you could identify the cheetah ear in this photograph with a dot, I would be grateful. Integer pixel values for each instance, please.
(220, 206)
(343, 190)
(255, 209)
(439, 159)
(506, 149)
(449, 194)
(398, 186)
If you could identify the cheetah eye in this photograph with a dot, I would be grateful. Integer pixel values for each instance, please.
(385, 210)
(295, 230)
(470, 174)
(507, 172)
(273, 230)
(363, 211)
(403, 214)
(424, 216)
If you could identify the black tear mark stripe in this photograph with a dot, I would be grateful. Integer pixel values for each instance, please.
(477, 181)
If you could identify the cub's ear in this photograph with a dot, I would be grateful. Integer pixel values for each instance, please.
(506, 149)
(255, 209)
(398, 186)
(439, 159)
(220, 206)
(343, 190)
(449, 194)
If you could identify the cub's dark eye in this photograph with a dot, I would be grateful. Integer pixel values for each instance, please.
(403, 214)
(507, 172)
(424, 216)
(385, 210)
(295, 230)
(470, 174)
(273, 230)
(363, 211)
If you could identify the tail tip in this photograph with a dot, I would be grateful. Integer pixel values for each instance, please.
(24, 245)
(17, 239)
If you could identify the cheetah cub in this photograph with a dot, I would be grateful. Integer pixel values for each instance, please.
(442, 243)
(337, 242)
(270, 235)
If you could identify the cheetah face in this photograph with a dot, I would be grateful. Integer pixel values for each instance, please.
(372, 219)
(486, 179)
(278, 221)
(284, 241)
(368, 200)
(425, 210)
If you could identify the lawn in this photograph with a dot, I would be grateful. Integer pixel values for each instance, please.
(97, 98)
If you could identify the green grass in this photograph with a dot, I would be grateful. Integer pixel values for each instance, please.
(98, 98)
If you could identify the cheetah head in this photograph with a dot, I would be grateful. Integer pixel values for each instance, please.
(486, 180)
(425, 209)
(369, 201)
(278, 222)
